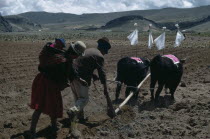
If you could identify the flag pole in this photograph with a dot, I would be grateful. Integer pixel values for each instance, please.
(133, 37)
(163, 51)
(136, 49)
(149, 40)
(135, 25)
(176, 25)
(164, 28)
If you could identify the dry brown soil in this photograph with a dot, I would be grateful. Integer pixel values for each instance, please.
(188, 117)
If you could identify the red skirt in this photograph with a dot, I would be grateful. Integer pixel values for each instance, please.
(46, 97)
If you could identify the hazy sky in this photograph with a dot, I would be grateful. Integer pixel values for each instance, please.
(8, 7)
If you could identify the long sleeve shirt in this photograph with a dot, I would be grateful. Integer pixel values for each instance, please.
(86, 65)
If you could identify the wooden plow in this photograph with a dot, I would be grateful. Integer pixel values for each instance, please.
(131, 94)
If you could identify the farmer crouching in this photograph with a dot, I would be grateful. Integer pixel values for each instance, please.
(55, 66)
(85, 66)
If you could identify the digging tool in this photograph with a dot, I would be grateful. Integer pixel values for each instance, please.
(110, 108)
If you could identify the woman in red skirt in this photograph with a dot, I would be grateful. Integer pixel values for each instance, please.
(55, 66)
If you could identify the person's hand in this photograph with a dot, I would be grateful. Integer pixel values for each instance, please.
(95, 77)
(83, 82)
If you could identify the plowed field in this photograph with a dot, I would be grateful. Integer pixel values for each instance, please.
(188, 117)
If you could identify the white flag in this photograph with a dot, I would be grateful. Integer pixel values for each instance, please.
(150, 41)
(133, 37)
(179, 38)
(160, 41)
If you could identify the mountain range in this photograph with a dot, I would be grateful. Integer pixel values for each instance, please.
(191, 19)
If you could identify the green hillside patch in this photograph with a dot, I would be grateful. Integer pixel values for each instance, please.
(4, 25)
(20, 23)
(205, 27)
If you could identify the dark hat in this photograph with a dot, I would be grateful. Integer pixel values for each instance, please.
(62, 41)
(105, 42)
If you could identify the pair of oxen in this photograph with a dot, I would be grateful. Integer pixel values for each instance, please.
(166, 70)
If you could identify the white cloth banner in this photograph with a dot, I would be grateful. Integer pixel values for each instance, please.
(133, 37)
(160, 41)
(179, 38)
(150, 40)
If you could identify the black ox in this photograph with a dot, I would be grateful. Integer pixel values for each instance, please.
(131, 71)
(166, 72)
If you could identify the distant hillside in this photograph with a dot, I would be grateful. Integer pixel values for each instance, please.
(4, 25)
(122, 20)
(126, 23)
(186, 17)
(188, 24)
(49, 18)
(20, 23)
(179, 15)
(184, 24)
(201, 28)
(157, 15)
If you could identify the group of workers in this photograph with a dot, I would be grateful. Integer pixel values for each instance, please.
(60, 68)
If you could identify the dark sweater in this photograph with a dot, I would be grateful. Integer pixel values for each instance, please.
(86, 65)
